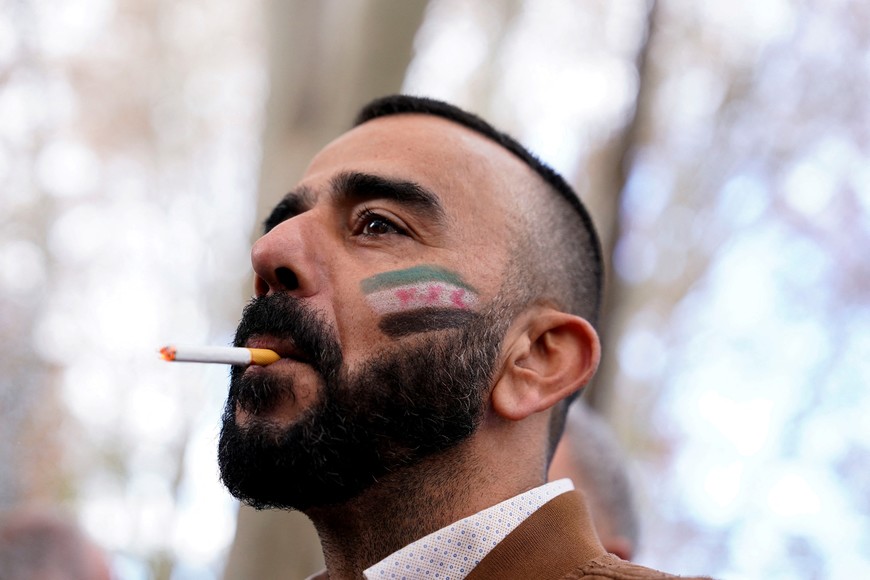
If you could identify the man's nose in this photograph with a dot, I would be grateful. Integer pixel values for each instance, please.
(283, 260)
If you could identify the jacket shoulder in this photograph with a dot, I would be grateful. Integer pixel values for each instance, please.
(609, 567)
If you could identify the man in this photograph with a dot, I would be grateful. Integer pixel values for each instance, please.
(590, 456)
(432, 289)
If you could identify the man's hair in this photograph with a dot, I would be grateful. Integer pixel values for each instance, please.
(558, 253)
(595, 452)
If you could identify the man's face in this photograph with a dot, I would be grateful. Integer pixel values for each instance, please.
(378, 283)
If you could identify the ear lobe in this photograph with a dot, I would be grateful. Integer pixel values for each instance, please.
(553, 355)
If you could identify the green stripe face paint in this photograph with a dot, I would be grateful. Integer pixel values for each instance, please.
(420, 299)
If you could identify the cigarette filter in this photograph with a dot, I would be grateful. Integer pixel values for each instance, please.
(227, 355)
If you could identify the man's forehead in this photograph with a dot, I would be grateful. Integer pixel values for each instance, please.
(420, 143)
(419, 129)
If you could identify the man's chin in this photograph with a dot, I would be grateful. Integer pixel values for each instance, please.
(249, 465)
(266, 465)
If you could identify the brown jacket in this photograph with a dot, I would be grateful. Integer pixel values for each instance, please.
(557, 542)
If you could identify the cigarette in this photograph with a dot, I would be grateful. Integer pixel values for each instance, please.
(227, 355)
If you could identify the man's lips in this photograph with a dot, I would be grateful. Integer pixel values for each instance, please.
(284, 347)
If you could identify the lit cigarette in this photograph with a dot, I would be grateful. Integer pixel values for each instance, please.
(220, 354)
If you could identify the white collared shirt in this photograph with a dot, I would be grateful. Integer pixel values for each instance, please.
(453, 551)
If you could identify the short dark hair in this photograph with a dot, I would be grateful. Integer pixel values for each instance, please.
(575, 257)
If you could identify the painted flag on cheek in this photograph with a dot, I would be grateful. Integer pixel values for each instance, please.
(420, 299)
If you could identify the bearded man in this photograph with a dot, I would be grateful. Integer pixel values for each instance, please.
(432, 289)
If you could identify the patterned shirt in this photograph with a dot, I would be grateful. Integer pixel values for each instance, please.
(453, 551)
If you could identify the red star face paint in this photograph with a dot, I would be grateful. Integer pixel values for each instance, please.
(420, 299)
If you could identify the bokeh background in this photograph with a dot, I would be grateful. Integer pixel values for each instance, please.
(723, 146)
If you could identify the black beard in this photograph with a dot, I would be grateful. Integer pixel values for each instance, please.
(403, 405)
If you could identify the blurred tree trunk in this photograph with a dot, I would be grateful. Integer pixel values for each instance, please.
(34, 423)
(607, 178)
(328, 58)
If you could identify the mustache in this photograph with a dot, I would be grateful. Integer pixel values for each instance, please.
(286, 317)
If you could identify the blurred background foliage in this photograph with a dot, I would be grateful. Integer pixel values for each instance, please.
(722, 146)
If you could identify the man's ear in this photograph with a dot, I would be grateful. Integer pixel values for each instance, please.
(549, 356)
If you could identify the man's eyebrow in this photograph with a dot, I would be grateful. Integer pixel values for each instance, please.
(357, 186)
(294, 203)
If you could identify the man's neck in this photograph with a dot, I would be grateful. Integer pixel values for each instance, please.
(403, 507)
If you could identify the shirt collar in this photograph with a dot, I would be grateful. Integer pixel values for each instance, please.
(453, 551)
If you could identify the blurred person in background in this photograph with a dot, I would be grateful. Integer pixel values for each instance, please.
(589, 454)
(432, 289)
(42, 544)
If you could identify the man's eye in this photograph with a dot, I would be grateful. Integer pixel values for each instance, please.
(378, 226)
(372, 224)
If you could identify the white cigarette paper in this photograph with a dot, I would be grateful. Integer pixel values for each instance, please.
(227, 355)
